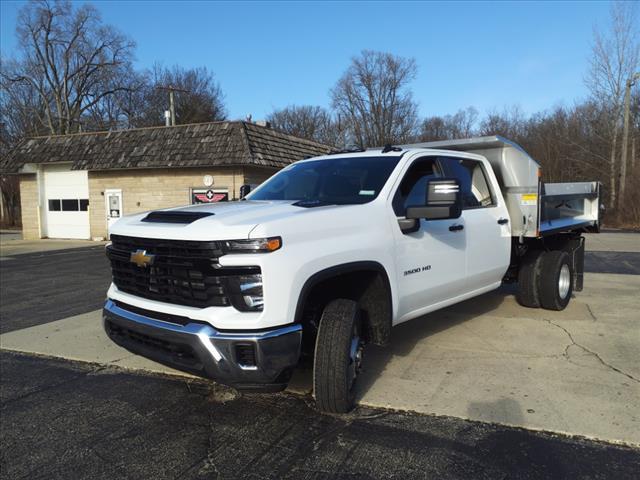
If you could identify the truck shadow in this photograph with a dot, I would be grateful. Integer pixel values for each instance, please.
(406, 336)
(404, 339)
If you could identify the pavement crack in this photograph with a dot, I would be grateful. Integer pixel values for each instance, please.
(588, 351)
(595, 319)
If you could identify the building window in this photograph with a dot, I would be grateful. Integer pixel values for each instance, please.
(209, 195)
(69, 205)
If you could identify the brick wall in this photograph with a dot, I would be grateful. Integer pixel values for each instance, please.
(150, 189)
(29, 206)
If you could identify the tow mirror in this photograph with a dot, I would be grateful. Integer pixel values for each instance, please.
(244, 190)
(442, 201)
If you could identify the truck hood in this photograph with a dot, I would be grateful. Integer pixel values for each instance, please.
(229, 220)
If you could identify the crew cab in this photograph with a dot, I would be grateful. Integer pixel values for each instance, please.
(331, 252)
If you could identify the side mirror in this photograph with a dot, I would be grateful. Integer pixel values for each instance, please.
(443, 201)
(244, 190)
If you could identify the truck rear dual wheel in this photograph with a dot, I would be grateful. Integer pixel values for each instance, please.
(545, 279)
(528, 294)
(556, 280)
(338, 356)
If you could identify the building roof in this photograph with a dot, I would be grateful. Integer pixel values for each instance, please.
(196, 145)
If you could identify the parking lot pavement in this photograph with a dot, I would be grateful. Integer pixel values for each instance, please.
(624, 263)
(486, 359)
(612, 252)
(45, 286)
(11, 244)
(613, 241)
(69, 420)
(9, 236)
(489, 359)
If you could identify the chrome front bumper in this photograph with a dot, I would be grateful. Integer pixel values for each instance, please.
(262, 360)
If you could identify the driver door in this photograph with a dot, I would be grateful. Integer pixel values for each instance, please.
(431, 262)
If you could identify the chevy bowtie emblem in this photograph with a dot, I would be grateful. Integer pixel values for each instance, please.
(141, 259)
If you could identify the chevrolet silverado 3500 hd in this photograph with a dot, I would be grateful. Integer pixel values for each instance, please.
(331, 252)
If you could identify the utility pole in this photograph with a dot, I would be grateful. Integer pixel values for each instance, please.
(172, 104)
(172, 107)
(625, 138)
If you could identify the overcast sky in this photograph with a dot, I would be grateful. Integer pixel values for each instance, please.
(268, 55)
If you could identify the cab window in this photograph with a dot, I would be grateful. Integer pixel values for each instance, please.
(474, 186)
(412, 190)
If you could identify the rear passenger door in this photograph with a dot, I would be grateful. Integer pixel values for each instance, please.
(485, 221)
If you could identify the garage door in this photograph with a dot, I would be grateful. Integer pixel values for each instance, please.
(66, 204)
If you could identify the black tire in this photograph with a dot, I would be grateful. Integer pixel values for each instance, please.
(528, 294)
(334, 371)
(555, 289)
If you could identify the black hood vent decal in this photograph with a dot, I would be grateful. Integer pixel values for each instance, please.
(175, 216)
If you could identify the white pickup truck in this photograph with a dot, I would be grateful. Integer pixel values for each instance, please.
(331, 252)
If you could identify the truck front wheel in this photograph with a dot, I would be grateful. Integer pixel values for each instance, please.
(556, 280)
(338, 356)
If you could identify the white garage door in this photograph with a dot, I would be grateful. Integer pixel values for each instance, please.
(66, 202)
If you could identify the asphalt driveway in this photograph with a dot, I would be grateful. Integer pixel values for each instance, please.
(68, 420)
(42, 287)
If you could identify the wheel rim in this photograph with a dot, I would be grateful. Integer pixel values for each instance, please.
(564, 281)
(355, 357)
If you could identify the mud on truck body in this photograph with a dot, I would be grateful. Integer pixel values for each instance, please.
(331, 252)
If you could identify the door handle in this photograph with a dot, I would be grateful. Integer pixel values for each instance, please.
(456, 228)
(503, 221)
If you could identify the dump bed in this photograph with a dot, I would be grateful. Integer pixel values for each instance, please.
(536, 209)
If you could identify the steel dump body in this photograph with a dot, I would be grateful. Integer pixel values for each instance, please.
(536, 209)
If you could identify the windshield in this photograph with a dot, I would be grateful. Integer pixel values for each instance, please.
(338, 181)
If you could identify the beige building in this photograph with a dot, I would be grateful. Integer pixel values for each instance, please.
(74, 186)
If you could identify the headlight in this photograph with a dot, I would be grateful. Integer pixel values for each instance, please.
(259, 245)
(246, 292)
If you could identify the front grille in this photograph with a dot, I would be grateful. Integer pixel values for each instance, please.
(182, 272)
(171, 248)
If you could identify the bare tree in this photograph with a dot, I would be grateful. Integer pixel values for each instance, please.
(9, 184)
(201, 101)
(120, 110)
(9, 200)
(462, 124)
(433, 129)
(70, 59)
(20, 111)
(510, 123)
(307, 121)
(615, 57)
(373, 100)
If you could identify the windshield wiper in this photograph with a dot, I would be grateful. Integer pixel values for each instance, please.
(311, 203)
